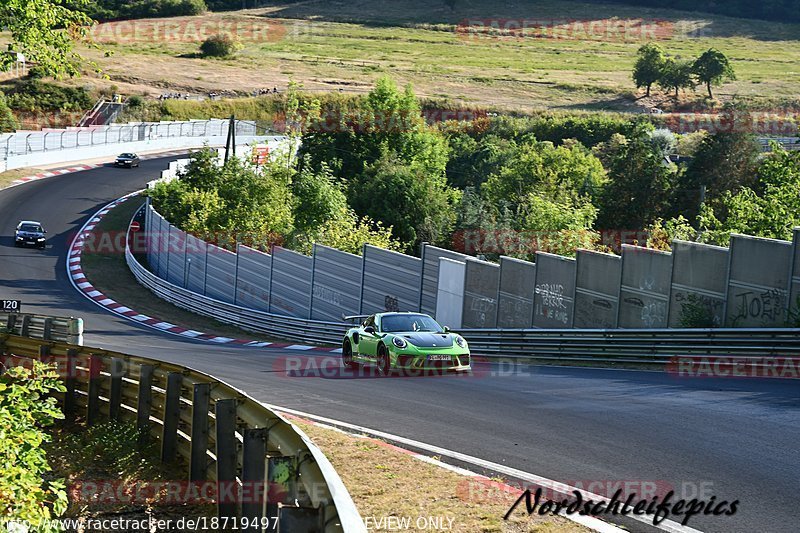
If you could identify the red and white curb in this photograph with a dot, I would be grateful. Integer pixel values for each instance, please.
(81, 168)
(51, 173)
(496, 487)
(85, 287)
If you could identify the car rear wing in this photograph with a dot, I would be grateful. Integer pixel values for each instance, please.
(355, 317)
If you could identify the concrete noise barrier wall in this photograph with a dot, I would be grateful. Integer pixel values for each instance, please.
(481, 286)
(516, 293)
(758, 282)
(554, 301)
(699, 283)
(253, 274)
(430, 275)
(597, 287)
(220, 274)
(196, 253)
(794, 290)
(644, 294)
(391, 281)
(450, 298)
(336, 289)
(176, 270)
(290, 292)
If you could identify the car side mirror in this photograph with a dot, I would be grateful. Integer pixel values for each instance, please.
(447, 329)
(370, 330)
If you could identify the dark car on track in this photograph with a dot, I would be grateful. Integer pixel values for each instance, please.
(30, 233)
(127, 160)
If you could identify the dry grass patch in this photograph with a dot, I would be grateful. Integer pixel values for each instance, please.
(9, 176)
(386, 482)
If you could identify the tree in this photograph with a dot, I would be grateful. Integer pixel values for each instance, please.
(771, 212)
(676, 75)
(386, 121)
(712, 68)
(558, 173)
(558, 227)
(649, 65)
(417, 205)
(45, 32)
(639, 185)
(725, 161)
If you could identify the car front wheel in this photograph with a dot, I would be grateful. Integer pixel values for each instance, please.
(347, 355)
(384, 363)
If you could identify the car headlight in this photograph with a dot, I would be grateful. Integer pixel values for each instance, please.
(460, 341)
(400, 342)
(19, 238)
(40, 239)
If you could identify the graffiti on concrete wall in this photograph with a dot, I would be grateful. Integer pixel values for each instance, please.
(552, 303)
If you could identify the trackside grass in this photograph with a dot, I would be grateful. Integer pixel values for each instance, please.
(385, 482)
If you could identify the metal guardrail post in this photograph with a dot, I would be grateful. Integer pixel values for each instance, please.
(70, 378)
(47, 333)
(145, 402)
(201, 399)
(117, 372)
(253, 475)
(225, 439)
(93, 402)
(172, 416)
(26, 324)
(11, 322)
(44, 354)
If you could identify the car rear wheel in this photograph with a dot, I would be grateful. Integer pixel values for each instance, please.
(347, 355)
(384, 364)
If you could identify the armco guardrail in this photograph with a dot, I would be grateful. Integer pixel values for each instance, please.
(655, 346)
(200, 422)
(652, 346)
(49, 328)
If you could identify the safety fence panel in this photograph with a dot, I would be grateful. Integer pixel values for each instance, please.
(161, 229)
(253, 274)
(176, 273)
(196, 252)
(450, 297)
(758, 282)
(391, 281)
(597, 290)
(291, 283)
(481, 286)
(517, 290)
(220, 273)
(336, 287)
(644, 295)
(699, 285)
(430, 275)
(554, 301)
(149, 234)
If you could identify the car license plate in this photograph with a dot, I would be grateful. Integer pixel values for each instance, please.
(439, 357)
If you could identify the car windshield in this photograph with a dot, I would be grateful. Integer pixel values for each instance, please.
(33, 228)
(127, 156)
(394, 323)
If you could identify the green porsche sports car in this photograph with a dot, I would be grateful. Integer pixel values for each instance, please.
(406, 341)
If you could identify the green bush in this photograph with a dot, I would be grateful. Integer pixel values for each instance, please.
(219, 46)
(36, 95)
(26, 408)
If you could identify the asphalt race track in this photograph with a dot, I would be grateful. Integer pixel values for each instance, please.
(736, 438)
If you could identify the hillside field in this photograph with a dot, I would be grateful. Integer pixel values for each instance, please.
(347, 45)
